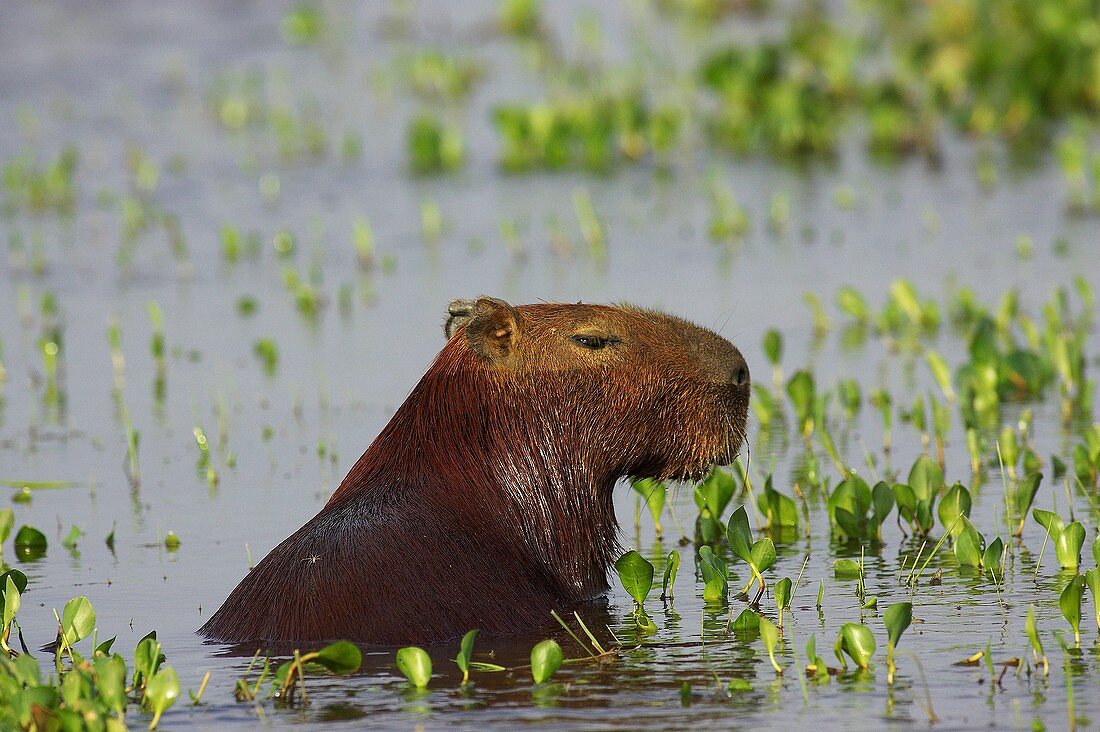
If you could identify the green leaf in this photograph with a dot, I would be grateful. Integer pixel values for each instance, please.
(857, 642)
(28, 536)
(925, 478)
(782, 591)
(1068, 543)
(1092, 579)
(416, 665)
(800, 388)
(546, 659)
(654, 494)
(1025, 494)
(1070, 604)
(147, 659)
(747, 620)
(1050, 521)
(715, 576)
(882, 501)
(672, 566)
(770, 635)
(7, 523)
(896, 619)
(773, 346)
(12, 601)
(161, 692)
(636, 575)
(906, 500)
(715, 492)
(739, 536)
(940, 372)
(991, 559)
(851, 301)
(970, 545)
(78, 619)
(110, 682)
(465, 654)
(847, 569)
(17, 577)
(955, 504)
(1033, 632)
(763, 555)
(341, 658)
(778, 509)
(70, 540)
(848, 523)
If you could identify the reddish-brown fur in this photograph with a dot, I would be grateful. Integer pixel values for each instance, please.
(486, 501)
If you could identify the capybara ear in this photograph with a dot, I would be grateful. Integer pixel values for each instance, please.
(494, 329)
(459, 312)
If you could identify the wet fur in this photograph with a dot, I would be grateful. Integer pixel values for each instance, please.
(487, 500)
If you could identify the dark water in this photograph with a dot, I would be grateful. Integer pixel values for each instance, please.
(106, 78)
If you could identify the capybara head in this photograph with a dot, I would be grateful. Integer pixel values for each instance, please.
(641, 393)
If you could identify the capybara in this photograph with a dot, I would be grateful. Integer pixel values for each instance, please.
(486, 502)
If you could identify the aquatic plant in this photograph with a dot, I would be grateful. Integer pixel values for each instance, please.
(1068, 538)
(416, 665)
(859, 511)
(857, 642)
(759, 555)
(896, 619)
(546, 659)
(712, 495)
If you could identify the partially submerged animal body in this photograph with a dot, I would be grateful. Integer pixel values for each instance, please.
(486, 502)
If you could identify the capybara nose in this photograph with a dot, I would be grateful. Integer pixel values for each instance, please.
(739, 373)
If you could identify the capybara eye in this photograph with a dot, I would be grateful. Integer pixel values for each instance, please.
(590, 341)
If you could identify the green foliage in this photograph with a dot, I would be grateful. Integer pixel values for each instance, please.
(800, 388)
(715, 577)
(1068, 539)
(859, 511)
(897, 619)
(954, 506)
(653, 494)
(636, 574)
(759, 555)
(779, 511)
(415, 665)
(1069, 602)
(546, 659)
(857, 642)
(593, 132)
(434, 146)
(466, 654)
(770, 635)
(672, 566)
(712, 496)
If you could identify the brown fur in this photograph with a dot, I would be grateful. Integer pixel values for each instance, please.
(486, 501)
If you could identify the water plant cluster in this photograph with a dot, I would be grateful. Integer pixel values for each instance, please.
(943, 498)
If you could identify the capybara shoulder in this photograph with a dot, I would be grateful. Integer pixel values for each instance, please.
(486, 501)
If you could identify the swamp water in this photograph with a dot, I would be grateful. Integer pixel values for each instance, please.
(282, 357)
